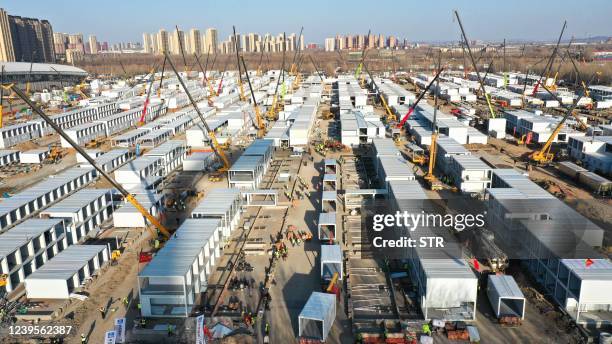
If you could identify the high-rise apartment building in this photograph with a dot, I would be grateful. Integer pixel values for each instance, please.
(7, 52)
(178, 42)
(93, 44)
(146, 43)
(330, 44)
(195, 42)
(163, 43)
(211, 40)
(25, 39)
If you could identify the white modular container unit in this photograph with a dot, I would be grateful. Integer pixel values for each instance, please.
(139, 169)
(84, 133)
(223, 205)
(327, 226)
(448, 147)
(83, 212)
(331, 262)
(113, 159)
(34, 156)
(317, 317)
(170, 284)
(119, 122)
(94, 153)
(41, 195)
(28, 246)
(127, 216)
(65, 273)
(171, 152)
(496, 127)
(505, 296)
(394, 168)
(154, 138)
(469, 173)
(128, 139)
(246, 173)
(8, 157)
(199, 161)
(12, 135)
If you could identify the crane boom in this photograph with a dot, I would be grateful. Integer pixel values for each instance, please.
(550, 62)
(260, 124)
(390, 114)
(544, 155)
(316, 68)
(413, 106)
(129, 197)
(240, 86)
(480, 81)
(211, 134)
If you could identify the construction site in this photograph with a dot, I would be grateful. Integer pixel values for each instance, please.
(224, 201)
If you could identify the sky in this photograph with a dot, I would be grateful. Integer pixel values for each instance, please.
(418, 21)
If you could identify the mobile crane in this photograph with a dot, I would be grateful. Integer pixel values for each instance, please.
(240, 86)
(431, 179)
(390, 115)
(211, 134)
(261, 126)
(272, 111)
(211, 91)
(480, 81)
(544, 156)
(128, 197)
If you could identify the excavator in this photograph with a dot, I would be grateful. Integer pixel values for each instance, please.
(210, 133)
(544, 156)
(128, 197)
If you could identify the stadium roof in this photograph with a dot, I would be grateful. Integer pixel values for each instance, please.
(17, 68)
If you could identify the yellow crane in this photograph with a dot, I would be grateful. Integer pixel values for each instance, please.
(272, 111)
(211, 134)
(211, 91)
(261, 126)
(544, 156)
(128, 197)
(390, 115)
(431, 179)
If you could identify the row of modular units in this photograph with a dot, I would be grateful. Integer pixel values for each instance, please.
(128, 139)
(113, 159)
(303, 120)
(358, 127)
(8, 157)
(395, 94)
(224, 205)
(15, 134)
(328, 217)
(446, 287)
(170, 284)
(82, 212)
(172, 153)
(154, 138)
(446, 148)
(554, 242)
(43, 194)
(80, 116)
(66, 272)
(34, 156)
(469, 173)
(84, 133)
(352, 93)
(28, 246)
(595, 152)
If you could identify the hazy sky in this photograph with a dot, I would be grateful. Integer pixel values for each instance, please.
(425, 20)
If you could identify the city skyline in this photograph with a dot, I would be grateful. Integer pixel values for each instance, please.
(523, 20)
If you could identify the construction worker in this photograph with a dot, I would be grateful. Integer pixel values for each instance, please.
(143, 322)
(139, 306)
(102, 311)
(83, 338)
(170, 330)
(156, 244)
(426, 329)
(126, 301)
(267, 329)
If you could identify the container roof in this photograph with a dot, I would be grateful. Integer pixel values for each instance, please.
(505, 286)
(318, 306)
(67, 263)
(247, 163)
(76, 201)
(327, 219)
(217, 202)
(331, 254)
(24, 232)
